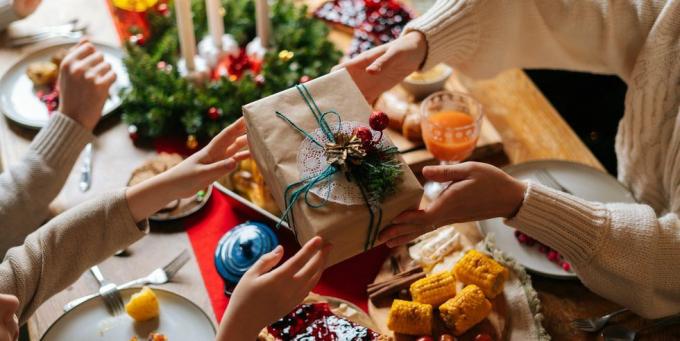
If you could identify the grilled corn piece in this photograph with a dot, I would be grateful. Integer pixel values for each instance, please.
(481, 270)
(468, 308)
(410, 318)
(434, 289)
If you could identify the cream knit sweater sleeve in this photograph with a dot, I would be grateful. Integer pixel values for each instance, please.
(59, 252)
(483, 37)
(626, 253)
(28, 187)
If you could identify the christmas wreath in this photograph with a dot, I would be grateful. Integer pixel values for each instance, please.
(160, 102)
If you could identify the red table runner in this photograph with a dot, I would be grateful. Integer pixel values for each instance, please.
(347, 280)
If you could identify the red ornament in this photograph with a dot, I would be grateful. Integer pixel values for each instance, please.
(163, 9)
(305, 79)
(214, 113)
(161, 65)
(364, 134)
(378, 121)
(234, 66)
(137, 39)
(259, 80)
(132, 132)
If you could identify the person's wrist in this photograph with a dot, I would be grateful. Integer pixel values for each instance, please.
(238, 329)
(78, 118)
(419, 52)
(518, 190)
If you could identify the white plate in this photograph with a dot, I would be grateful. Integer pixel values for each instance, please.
(585, 182)
(17, 93)
(180, 319)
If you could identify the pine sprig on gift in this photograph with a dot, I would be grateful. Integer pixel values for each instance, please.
(379, 173)
(162, 103)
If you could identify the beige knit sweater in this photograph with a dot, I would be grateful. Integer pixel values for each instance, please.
(624, 252)
(55, 255)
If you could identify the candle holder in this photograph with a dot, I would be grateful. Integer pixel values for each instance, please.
(212, 53)
(200, 73)
(255, 49)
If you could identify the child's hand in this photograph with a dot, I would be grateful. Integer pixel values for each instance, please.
(263, 296)
(195, 173)
(84, 82)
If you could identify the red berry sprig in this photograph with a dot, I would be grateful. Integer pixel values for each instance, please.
(365, 135)
(378, 122)
(214, 113)
(551, 254)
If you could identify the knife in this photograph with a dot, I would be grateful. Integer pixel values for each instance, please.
(86, 169)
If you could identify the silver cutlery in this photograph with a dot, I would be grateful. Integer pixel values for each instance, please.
(71, 25)
(109, 292)
(594, 324)
(86, 169)
(545, 178)
(70, 31)
(159, 276)
(622, 333)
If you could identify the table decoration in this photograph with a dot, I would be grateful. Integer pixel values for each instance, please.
(162, 103)
(329, 173)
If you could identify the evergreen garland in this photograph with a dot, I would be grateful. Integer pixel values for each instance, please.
(162, 103)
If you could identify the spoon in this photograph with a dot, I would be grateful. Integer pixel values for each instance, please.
(622, 333)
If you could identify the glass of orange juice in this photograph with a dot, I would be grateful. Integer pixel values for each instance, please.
(451, 122)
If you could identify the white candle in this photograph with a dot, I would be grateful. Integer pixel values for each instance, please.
(215, 22)
(262, 21)
(185, 27)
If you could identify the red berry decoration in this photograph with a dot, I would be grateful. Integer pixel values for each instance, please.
(378, 121)
(305, 79)
(259, 80)
(137, 39)
(132, 132)
(553, 256)
(364, 134)
(214, 113)
(163, 9)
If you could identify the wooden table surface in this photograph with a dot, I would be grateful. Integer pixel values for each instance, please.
(530, 127)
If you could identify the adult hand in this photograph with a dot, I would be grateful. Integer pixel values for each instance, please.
(477, 191)
(24, 8)
(263, 296)
(381, 68)
(84, 82)
(195, 173)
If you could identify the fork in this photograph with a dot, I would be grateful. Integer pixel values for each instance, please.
(545, 178)
(109, 292)
(159, 276)
(596, 323)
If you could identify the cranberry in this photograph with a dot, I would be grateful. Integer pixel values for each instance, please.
(364, 134)
(553, 256)
(566, 266)
(378, 121)
(543, 249)
(483, 337)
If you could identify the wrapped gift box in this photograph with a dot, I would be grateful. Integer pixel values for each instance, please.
(283, 155)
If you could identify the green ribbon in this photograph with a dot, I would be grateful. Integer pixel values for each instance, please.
(303, 187)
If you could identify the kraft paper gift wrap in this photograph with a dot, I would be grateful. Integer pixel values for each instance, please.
(275, 145)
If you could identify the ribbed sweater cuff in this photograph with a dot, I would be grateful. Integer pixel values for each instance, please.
(571, 225)
(60, 142)
(451, 30)
(123, 211)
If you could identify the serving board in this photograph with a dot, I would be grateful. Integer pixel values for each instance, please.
(494, 324)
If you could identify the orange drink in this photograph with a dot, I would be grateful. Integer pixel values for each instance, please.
(450, 135)
(450, 124)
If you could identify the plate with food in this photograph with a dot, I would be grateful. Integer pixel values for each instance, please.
(583, 181)
(176, 209)
(246, 185)
(440, 288)
(28, 91)
(151, 314)
(323, 316)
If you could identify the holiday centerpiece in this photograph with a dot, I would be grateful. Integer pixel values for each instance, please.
(331, 173)
(191, 91)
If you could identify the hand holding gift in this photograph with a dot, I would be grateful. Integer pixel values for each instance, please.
(330, 174)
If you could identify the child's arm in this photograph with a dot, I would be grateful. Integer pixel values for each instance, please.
(263, 296)
(57, 254)
(28, 187)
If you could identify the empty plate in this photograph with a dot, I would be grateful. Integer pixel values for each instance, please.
(179, 319)
(583, 181)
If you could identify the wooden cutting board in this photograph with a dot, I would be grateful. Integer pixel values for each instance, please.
(415, 154)
(494, 324)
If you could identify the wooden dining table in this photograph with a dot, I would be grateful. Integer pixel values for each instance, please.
(531, 129)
